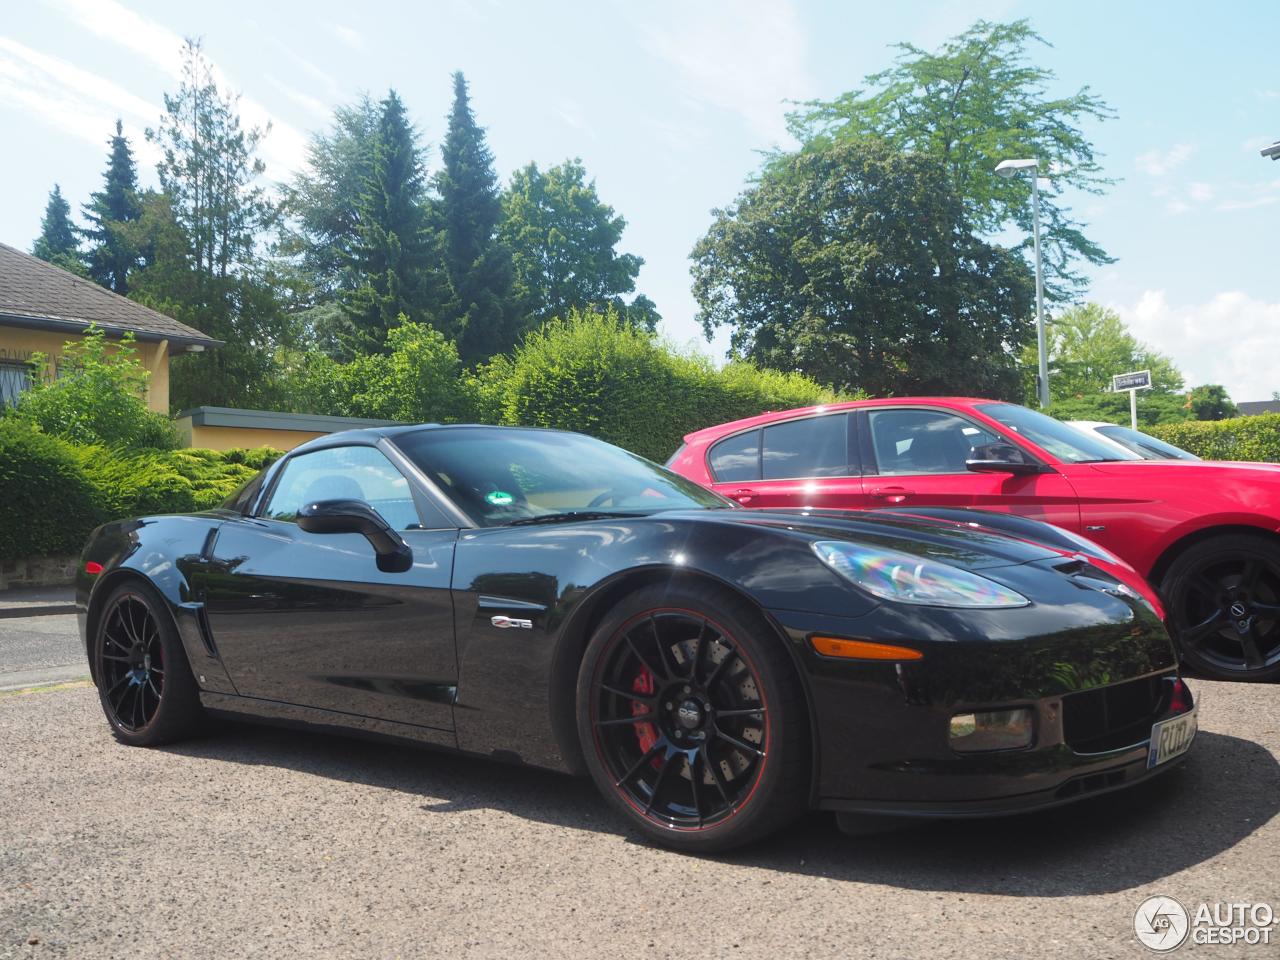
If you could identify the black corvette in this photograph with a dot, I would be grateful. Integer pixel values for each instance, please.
(543, 597)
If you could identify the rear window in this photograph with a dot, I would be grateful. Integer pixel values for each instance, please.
(736, 459)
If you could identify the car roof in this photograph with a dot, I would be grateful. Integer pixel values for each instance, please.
(774, 415)
(371, 435)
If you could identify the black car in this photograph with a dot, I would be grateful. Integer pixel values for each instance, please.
(543, 597)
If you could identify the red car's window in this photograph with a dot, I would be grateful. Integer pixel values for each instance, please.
(736, 459)
(814, 447)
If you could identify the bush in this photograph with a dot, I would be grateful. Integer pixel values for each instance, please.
(49, 503)
(1255, 439)
(1153, 408)
(596, 374)
(59, 491)
(96, 396)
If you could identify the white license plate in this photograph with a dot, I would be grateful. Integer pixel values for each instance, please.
(1171, 738)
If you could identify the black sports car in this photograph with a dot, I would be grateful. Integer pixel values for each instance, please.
(539, 596)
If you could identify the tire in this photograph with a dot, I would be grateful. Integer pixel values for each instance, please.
(144, 681)
(692, 719)
(1223, 599)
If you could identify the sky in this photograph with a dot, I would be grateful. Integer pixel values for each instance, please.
(669, 105)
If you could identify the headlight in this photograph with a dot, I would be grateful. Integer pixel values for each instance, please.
(906, 579)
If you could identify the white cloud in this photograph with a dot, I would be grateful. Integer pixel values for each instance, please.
(747, 58)
(305, 101)
(71, 99)
(1223, 340)
(1162, 162)
(283, 150)
(1201, 192)
(347, 35)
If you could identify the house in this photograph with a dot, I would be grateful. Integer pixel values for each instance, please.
(1251, 408)
(43, 306)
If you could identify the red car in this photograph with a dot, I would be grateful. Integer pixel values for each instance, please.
(1206, 534)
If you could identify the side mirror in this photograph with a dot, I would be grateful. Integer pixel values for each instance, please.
(1001, 458)
(356, 516)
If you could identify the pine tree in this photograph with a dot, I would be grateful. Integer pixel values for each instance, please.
(391, 254)
(111, 258)
(57, 241)
(480, 313)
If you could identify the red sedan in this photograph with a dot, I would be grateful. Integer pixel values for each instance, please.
(1206, 534)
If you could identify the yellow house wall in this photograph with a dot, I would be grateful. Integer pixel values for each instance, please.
(229, 438)
(18, 344)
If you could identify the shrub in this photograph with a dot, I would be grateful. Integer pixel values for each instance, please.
(49, 503)
(59, 491)
(96, 396)
(1240, 438)
(596, 374)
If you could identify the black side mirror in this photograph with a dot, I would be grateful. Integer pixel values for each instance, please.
(356, 516)
(1001, 458)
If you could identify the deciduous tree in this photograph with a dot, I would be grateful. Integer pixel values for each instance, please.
(975, 101)
(854, 264)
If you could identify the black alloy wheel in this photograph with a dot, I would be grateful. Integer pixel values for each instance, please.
(685, 709)
(1224, 605)
(144, 682)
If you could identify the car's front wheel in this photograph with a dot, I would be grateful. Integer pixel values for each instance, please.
(144, 681)
(692, 719)
(1223, 598)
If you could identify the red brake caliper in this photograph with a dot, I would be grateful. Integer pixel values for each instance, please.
(646, 733)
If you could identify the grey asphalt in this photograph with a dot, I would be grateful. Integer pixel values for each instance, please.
(40, 649)
(261, 842)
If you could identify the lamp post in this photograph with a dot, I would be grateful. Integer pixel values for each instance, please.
(1013, 168)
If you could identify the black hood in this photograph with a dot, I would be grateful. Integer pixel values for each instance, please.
(959, 544)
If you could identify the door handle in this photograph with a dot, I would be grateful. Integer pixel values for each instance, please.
(891, 494)
(743, 496)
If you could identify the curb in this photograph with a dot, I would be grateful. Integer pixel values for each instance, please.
(36, 610)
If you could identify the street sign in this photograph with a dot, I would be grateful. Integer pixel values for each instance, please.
(1138, 380)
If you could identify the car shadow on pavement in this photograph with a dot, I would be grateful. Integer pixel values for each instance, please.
(1226, 790)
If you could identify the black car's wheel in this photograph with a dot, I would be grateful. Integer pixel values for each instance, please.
(144, 680)
(692, 719)
(1223, 597)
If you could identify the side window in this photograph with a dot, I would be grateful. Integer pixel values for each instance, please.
(816, 447)
(344, 473)
(737, 458)
(923, 441)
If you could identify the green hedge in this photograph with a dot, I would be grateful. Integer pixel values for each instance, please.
(1255, 439)
(56, 492)
(598, 375)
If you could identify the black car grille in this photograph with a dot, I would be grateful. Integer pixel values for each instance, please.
(1109, 718)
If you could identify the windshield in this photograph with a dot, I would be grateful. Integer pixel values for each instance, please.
(1062, 440)
(498, 476)
(1145, 446)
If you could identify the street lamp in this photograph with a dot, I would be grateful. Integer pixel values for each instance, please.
(1272, 151)
(1013, 168)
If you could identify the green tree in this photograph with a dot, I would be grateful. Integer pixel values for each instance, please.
(480, 312)
(322, 201)
(974, 102)
(204, 265)
(97, 395)
(563, 240)
(57, 241)
(1211, 402)
(1089, 344)
(853, 264)
(111, 257)
(390, 257)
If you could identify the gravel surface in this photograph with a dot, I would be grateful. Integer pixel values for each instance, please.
(260, 842)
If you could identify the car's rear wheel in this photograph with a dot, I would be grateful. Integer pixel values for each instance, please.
(1223, 597)
(692, 719)
(144, 681)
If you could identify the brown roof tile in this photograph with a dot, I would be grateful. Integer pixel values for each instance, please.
(38, 294)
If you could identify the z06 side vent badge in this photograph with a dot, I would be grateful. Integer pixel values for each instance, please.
(511, 623)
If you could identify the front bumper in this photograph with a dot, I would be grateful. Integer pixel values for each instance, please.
(1097, 674)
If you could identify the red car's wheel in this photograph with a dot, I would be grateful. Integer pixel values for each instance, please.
(1223, 597)
(692, 719)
